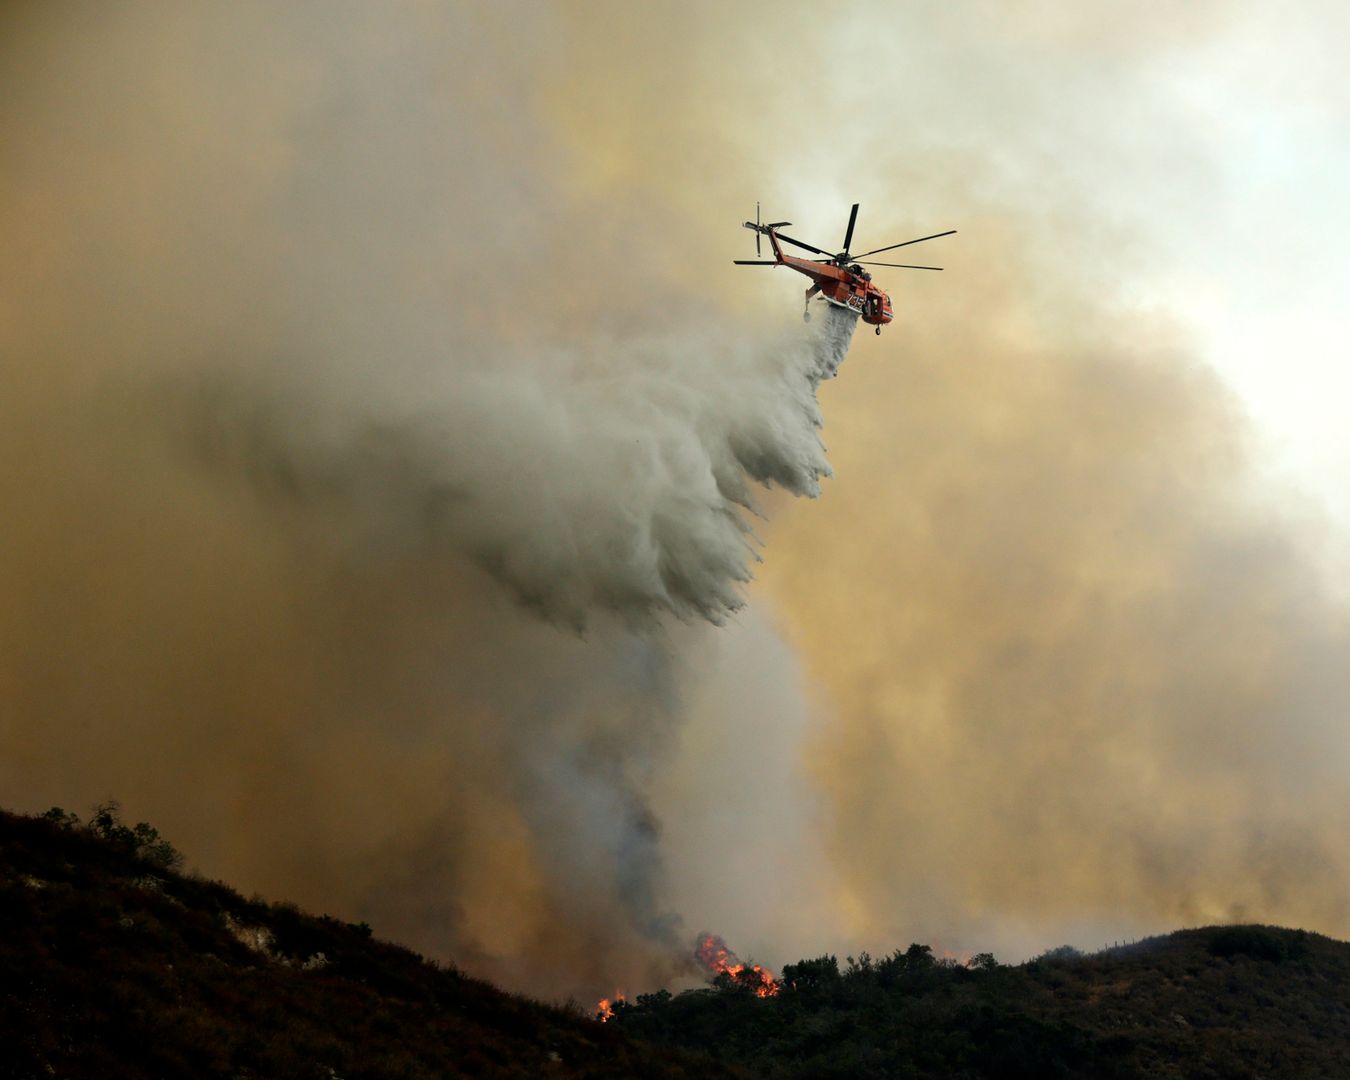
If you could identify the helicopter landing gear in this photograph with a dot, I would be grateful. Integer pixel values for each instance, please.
(878, 331)
(806, 315)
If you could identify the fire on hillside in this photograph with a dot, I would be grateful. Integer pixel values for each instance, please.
(718, 960)
(722, 967)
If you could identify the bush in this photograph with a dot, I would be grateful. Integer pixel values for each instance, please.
(141, 840)
(811, 974)
(63, 818)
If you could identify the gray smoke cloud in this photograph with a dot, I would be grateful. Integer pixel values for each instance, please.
(322, 443)
(625, 491)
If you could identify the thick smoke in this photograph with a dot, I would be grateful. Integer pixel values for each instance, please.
(1090, 683)
(624, 491)
(302, 524)
(1084, 671)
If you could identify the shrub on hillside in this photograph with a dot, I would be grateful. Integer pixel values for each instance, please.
(141, 840)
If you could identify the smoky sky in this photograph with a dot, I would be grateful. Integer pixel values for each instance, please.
(1095, 677)
(324, 551)
(386, 433)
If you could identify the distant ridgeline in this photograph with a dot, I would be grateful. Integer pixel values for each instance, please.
(1231, 1001)
(115, 964)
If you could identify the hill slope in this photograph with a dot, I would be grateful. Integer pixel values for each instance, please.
(114, 965)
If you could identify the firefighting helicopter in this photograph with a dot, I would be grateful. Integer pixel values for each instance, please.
(839, 278)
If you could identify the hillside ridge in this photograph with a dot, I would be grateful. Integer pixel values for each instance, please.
(114, 963)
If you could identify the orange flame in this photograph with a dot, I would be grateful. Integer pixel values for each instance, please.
(716, 958)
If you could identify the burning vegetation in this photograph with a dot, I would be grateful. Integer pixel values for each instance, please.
(725, 968)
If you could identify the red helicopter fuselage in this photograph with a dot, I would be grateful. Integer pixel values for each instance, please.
(843, 286)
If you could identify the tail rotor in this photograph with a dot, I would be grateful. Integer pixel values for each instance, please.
(765, 228)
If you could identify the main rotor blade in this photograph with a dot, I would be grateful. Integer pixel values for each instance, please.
(920, 240)
(902, 266)
(798, 243)
(848, 235)
(755, 262)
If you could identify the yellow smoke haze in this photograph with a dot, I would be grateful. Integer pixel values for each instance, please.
(350, 361)
(1073, 669)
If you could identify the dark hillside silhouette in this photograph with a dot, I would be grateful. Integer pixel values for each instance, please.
(1233, 1002)
(115, 964)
